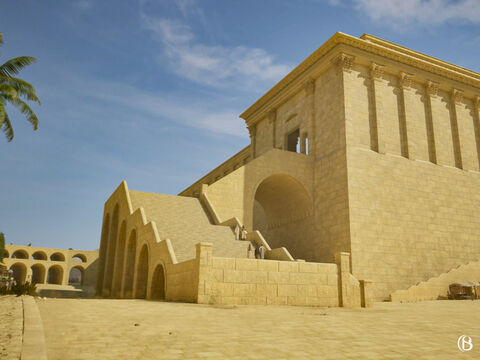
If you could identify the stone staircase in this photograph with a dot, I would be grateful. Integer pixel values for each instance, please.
(185, 222)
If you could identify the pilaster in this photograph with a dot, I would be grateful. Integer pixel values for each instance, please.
(431, 91)
(456, 97)
(310, 114)
(272, 120)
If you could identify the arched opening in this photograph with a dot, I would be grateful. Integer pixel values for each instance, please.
(19, 273)
(142, 274)
(75, 277)
(57, 257)
(55, 275)
(20, 254)
(112, 244)
(103, 252)
(130, 265)
(39, 255)
(79, 258)
(118, 272)
(157, 290)
(282, 212)
(38, 274)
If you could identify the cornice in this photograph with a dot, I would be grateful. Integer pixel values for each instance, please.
(375, 46)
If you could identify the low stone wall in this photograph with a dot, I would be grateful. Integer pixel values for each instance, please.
(270, 282)
(182, 281)
(437, 287)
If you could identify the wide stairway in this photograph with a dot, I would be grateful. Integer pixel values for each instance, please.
(184, 221)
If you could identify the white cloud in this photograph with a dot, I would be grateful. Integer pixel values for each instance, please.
(421, 11)
(236, 66)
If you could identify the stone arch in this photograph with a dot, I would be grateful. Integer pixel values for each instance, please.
(39, 255)
(76, 275)
(38, 274)
(19, 272)
(20, 254)
(79, 258)
(141, 274)
(282, 212)
(55, 275)
(130, 265)
(158, 287)
(103, 251)
(119, 259)
(57, 256)
(110, 258)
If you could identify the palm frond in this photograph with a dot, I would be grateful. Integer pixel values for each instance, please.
(23, 88)
(8, 91)
(2, 111)
(7, 128)
(13, 66)
(23, 107)
(1, 38)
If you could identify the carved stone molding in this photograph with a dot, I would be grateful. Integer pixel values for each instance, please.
(343, 62)
(456, 95)
(405, 80)
(252, 130)
(432, 88)
(310, 86)
(272, 115)
(376, 71)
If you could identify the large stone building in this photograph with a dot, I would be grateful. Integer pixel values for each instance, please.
(363, 161)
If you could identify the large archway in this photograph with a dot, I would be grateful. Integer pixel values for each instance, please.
(282, 212)
(157, 289)
(55, 275)
(118, 270)
(103, 253)
(76, 276)
(142, 274)
(19, 273)
(110, 258)
(130, 265)
(38, 274)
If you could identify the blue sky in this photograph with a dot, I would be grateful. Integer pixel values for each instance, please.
(149, 91)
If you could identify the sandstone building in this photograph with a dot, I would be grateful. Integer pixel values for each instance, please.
(363, 162)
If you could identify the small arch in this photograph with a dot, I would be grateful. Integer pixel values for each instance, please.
(119, 260)
(20, 254)
(19, 272)
(103, 255)
(110, 254)
(76, 276)
(57, 257)
(142, 274)
(38, 274)
(79, 258)
(39, 255)
(157, 289)
(55, 275)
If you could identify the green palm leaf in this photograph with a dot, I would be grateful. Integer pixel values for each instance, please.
(7, 127)
(23, 88)
(23, 107)
(13, 66)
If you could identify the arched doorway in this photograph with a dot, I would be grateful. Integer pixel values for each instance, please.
(282, 212)
(130, 265)
(103, 253)
(39, 255)
(76, 275)
(142, 274)
(20, 254)
(157, 290)
(110, 260)
(19, 273)
(55, 275)
(38, 274)
(57, 257)
(118, 271)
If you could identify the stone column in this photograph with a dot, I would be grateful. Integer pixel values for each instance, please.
(303, 143)
(252, 130)
(272, 119)
(431, 90)
(204, 258)
(476, 124)
(310, 114)
(456, 97)
(407, 125)
(347, 296)
(365, 293)
(378, 127)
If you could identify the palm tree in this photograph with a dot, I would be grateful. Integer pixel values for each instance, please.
(13, 89)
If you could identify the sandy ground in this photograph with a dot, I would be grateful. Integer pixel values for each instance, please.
(11, 327)
(139, 329)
